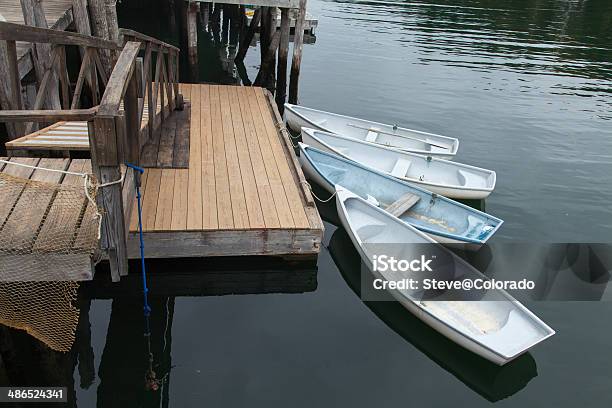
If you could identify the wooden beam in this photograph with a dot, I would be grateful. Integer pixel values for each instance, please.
(47, 115)
(298, 44)
(20, 32)
(136, 36)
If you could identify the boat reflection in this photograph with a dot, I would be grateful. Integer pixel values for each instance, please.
(487, 379)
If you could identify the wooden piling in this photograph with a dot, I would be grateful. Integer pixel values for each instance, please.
(245, 42)
(99, 27)
(112, 24)
(192, 38)
(283, 52)
(298, 44)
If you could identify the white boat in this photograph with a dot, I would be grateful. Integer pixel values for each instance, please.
(447, 178)
(491, 324)
(393, 136)
(445, 220)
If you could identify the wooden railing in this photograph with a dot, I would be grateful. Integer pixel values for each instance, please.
(114, 123)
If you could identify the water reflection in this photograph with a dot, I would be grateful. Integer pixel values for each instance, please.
(124, 374)
(487, 379)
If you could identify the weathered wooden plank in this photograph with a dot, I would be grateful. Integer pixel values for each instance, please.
(283, 52)
(7, 202)
(180, 156)
(207, 243)
(19, 32)
(47, 115)
(119, 80)
(22, 225)
(147, 39)
(402, 204)
(261, 178)
(165, 154)
(234, 175)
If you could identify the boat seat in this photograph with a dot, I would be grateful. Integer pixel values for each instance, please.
(371, 136)
(402, 204)
(469, 179)
(401, 167)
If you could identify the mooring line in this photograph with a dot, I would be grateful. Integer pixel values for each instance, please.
(315, 196)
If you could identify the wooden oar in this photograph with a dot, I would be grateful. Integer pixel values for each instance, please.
(395, 134)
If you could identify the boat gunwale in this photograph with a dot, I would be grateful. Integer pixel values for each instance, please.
(311, 131)
(304, 147)
(535, 319)
(452, 151)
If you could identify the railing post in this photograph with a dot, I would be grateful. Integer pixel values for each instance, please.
(132, 122)
(105, 146)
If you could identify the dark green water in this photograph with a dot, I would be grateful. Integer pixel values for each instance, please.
(526, 86)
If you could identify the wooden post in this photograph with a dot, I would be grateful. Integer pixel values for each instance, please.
(112, 24)
(34, 15)
(81, 17)
(99, 26)
(245, 42)
(283, 52)
(298, 44)
(267, 64)
(205, 14)
(105, 164)
(263, 32)
(192, 39)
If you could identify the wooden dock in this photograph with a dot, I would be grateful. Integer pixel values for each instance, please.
(243, 192)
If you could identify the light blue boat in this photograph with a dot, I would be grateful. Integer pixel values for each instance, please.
(445, 220)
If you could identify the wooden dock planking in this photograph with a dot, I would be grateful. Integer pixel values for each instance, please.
(278, 192)
(210, 218)
(254, 212)
(239, 207)
(241, 194)
(194, 194)
(261, 178)
(289, 183)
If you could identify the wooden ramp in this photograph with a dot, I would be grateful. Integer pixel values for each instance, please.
(243, 192)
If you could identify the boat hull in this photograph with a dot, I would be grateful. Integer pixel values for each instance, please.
(435, 323)
(446, 191)
(313, 174)
(296, 122)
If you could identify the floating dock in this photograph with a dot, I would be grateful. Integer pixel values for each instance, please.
(243, 192)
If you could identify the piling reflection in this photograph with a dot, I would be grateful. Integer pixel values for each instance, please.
(487, 379)
(127, 375)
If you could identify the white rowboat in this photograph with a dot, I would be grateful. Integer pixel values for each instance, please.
(388, 135)
(494, 325)
(447, 178)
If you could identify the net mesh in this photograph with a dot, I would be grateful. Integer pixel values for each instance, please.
(48, 243)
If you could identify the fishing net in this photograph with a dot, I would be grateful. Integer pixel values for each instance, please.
(49, 241)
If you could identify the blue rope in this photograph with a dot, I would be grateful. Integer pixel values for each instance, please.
(145, 289)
